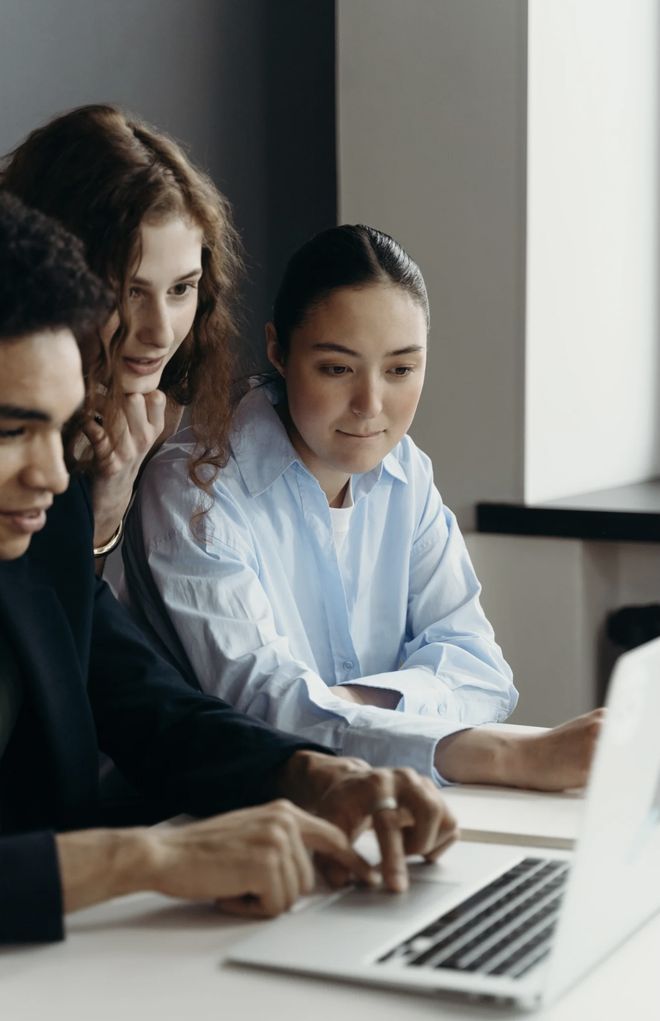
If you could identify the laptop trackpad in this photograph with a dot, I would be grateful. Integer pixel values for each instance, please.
(464, 865)
(392, 907)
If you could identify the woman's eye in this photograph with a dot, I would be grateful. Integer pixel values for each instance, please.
(133, 292)
(334, 370)
(10, 434)
(181, 290)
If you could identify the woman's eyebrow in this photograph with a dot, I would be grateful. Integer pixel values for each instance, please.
(179, 280)
(411, 349)
(342, 349)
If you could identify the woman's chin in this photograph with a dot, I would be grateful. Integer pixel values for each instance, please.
(132, 384)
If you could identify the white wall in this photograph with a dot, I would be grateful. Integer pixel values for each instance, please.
(525, 184)
(543, 372)
(547, 600)
(431, 148)
(592, 379)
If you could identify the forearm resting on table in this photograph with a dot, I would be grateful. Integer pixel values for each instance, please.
(474, 756)
(552, 760)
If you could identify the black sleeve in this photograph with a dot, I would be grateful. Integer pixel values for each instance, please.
(191, 750)
(30, 892)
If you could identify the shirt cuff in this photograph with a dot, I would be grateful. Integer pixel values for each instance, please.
(382, 748)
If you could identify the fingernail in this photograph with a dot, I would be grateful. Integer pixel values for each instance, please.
(374, 879)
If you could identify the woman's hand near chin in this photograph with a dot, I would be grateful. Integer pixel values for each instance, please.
(118, 457)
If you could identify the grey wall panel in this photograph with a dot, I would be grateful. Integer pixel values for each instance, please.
(247, 84)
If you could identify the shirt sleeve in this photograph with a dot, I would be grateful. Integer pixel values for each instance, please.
(30, 892)
(452, 665)
(188, 752)
(218, 612)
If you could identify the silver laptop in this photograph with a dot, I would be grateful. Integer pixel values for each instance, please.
(500, 922)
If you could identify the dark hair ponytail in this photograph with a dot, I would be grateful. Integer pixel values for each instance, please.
(346, 256)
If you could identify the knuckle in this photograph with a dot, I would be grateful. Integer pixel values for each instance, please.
(407, 776)
(379, 778)
(277, 835)
(282, 806)
(270, 859)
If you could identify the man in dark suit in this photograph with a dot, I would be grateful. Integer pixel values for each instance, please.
(76, 674)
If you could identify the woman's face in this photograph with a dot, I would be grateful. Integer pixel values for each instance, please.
(162, 301)
(354, 375)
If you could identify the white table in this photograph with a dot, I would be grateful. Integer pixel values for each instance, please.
(146, 957)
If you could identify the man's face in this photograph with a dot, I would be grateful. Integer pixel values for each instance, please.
(41, 386)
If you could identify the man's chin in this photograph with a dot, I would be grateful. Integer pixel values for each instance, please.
(13, 547)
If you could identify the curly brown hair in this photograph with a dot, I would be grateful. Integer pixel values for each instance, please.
(103, 173)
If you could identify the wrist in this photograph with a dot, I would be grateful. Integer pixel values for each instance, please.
(307, 776)
(476, 756)
(96, 865)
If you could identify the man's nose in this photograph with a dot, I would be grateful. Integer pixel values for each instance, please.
(46, 470)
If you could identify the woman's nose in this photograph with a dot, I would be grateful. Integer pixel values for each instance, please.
(366, 400)
(155, 326)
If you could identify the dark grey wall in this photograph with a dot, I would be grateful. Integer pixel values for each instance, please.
(248, 85)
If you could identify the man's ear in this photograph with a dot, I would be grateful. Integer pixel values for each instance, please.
(273, 352)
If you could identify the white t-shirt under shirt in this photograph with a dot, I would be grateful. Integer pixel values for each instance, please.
(341, 520)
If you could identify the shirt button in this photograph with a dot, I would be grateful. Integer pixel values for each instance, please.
(347, 664)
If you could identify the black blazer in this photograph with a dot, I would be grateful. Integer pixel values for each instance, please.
(91, 681)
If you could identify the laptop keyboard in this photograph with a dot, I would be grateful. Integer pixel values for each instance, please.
(503, 929)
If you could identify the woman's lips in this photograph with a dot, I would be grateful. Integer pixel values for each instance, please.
(361, 436)
(143, 366)
(26, 522)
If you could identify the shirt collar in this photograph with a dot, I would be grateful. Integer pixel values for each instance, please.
(392, 465)
(259, 442)
(263, 451)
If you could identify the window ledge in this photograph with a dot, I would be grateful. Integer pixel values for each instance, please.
(625, 514)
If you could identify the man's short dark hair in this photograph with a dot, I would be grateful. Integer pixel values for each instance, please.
(45, 283)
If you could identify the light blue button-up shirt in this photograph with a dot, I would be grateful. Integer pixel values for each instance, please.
(252, 600)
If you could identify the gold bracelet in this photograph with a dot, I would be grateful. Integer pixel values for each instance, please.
(112, 543)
